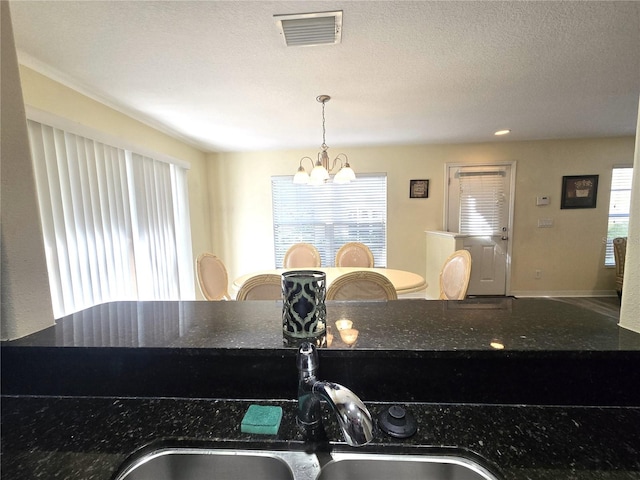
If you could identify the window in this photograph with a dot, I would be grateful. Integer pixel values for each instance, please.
(330, 215)
(115, 223)
(482, 201)
(619, 206)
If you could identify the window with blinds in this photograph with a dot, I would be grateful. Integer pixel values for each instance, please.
(330, 215)
(482, 202)
(115, 223)
(619, 205)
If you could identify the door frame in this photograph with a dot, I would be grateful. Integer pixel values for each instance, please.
(512, 197)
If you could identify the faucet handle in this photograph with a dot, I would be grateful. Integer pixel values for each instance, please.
(307, 358)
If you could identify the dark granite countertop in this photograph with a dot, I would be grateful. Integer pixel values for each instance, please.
(407, 351)
(90, 438)
(560, 400)
(528, 324)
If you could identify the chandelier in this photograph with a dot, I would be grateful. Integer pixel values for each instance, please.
(322, 168)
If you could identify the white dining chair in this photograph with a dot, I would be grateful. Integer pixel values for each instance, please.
(361, 285)
(302, 255)
(454, 276)
(213, 279)
(266, 286)
(354, 254)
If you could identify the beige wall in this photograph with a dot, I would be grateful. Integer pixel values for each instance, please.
(570, 254)
(45, 94)
(230, 195)
(26, 301)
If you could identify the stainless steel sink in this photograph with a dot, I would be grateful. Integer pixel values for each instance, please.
(222, 464)
(400, 467)
(226, 464)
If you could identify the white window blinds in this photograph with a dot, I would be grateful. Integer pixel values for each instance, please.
(116, 224)
(330, 215)
(619, 206)
(482, 202)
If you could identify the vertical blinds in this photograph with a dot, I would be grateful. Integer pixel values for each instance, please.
(115, 224)
(330, 215)
(482, 202)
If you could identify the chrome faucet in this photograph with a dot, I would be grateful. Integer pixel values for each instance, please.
(353, 417)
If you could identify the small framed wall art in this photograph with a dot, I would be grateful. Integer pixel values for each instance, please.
(579, 191)
(419, 189)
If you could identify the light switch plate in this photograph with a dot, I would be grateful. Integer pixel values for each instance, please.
(544, 200)
(545, 222)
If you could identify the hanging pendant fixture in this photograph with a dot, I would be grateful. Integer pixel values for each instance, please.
(322, 168)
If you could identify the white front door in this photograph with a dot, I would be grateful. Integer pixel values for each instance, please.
(479, 206)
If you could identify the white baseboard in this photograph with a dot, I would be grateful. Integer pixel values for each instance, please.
(564, 293)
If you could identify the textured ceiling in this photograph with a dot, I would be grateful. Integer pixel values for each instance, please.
(218, 74)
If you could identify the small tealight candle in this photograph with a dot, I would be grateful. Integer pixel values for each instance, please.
(344, 324)
(349, 335)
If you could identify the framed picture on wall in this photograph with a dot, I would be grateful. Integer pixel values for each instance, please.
(419, 189)
(579, 191)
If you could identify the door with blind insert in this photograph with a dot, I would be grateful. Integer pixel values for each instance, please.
(479, 204)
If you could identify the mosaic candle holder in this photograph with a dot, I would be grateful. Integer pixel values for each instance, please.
(303, 310)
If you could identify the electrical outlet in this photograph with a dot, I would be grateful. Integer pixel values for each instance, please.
(538, 274)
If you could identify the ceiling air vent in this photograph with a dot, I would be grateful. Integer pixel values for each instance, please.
(307, 29)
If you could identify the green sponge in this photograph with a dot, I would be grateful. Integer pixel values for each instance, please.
(261, 419)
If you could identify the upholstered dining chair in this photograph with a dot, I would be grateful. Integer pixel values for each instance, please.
(354, 254)
(361, 285)
(267, 286)
(212, 277)
(302, 255)
(454, 276)
(619, 254)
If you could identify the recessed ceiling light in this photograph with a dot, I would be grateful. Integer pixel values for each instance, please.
(502, 132)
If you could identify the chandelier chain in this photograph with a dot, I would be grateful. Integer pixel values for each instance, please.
(324, 142)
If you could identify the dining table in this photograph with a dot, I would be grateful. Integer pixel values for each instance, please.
(407, 284)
